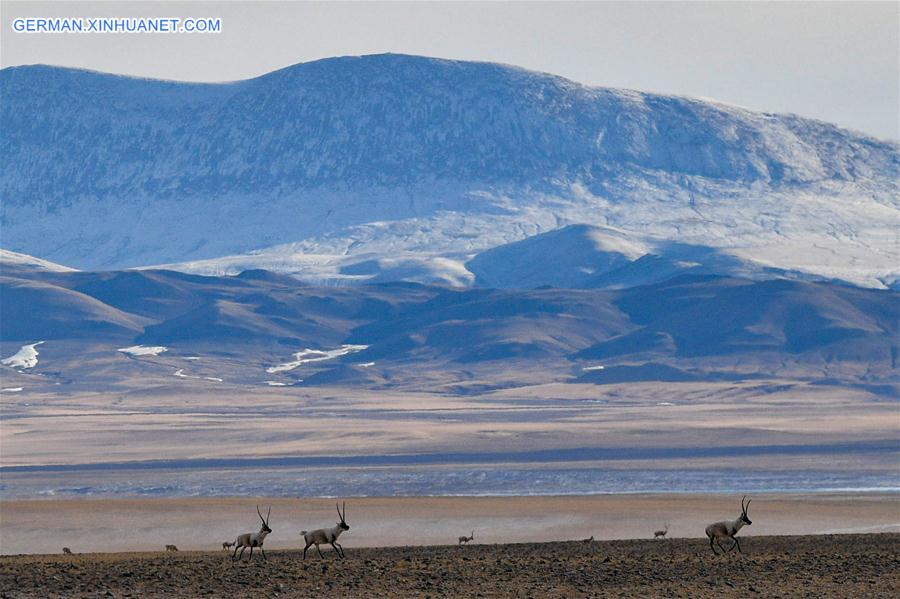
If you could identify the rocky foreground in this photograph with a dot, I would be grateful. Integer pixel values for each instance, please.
(806, 566)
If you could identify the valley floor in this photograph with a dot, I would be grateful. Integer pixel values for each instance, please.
(785, 566)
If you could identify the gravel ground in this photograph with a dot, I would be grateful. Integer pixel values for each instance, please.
(799, 566)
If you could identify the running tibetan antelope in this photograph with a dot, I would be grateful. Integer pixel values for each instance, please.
(253, 539)
(727, 529)
(327, 535)
(463, 540)
(662, 532)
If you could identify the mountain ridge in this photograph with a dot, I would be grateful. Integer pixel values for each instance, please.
(690, 327)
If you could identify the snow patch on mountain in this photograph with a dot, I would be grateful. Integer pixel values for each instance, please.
(25, 358)
(180, 374)
(315, 355)
(143, 350)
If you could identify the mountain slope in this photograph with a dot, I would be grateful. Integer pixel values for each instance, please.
(583, 256)
(567, 257)
(34, 310)
(695, 317)
(12, 262)
(346, 165)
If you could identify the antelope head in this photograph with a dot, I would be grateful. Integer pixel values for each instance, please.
(744, 518)
(265, 521)
(343, 523)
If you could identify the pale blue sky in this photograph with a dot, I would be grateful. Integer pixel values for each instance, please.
(838, 61)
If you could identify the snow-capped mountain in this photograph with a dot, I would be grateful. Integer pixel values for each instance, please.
(395, 167)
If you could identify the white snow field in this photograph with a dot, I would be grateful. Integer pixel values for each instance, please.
(180, 374)
(25, 358)
(315, 355)
(143, 350)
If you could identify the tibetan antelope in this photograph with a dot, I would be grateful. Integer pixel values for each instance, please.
(588, 541)
(465, 539)
(171, 548)
(253, 539)
(327, 535)
(226, 546)
(67, 551)
(727, 529)
(661, 533)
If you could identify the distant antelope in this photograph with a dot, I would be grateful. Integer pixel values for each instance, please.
(463, 540)
(588, 541)
(171, 548)
(327, 535)
(226, 546)
(67, 551)
(727, 529)
(661, 533)
(253, 539)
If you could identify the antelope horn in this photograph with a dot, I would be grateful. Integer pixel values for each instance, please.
(268, 513)
(260, 515)
(338, 508)
(748, 506)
